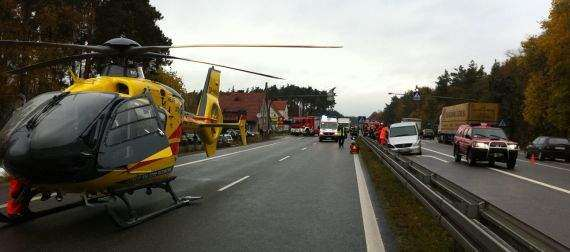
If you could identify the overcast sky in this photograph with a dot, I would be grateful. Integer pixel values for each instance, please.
(389, 45)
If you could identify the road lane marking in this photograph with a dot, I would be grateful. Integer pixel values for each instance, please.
(371, 230)
(304, 148)
(533, 181)
(537, 163)
(233, 183)
(441, 153)
(519, 177)
(550, 166)
(445, 161)
(286, 157)
(228, 154)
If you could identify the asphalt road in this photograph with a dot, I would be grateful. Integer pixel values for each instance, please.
(538, 194)
(290, 194)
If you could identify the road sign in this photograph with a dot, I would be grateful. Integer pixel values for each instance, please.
(502, 123)
(416, 96)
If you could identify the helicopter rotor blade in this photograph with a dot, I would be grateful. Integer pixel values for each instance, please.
(95, 48)
(141, 49)
(164, 56)
(55, 62)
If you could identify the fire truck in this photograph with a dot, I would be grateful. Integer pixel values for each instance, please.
(304, 125)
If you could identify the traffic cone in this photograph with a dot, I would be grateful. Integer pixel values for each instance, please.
(532, 159)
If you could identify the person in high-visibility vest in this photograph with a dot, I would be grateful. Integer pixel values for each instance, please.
(384, 135)
(378, 133)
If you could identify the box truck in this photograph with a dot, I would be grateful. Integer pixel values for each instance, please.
(452, 117)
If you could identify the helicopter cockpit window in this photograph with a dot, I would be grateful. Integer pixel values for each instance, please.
(133, 119)
(120, 71)
(134, 133)
(162, 119)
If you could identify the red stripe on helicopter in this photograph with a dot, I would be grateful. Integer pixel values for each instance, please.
(143, 163)
(175, 147)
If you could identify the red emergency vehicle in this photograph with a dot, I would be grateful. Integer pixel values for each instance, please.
(304, 125)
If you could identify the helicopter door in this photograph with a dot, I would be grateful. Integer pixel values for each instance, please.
(134, 133)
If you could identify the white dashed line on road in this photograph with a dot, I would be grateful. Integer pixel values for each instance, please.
(445, 161)
(233, 183)
(228, 154)
(304, 148)
(286, 157)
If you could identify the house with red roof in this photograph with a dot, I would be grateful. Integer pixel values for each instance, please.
(252, 105)
(278, 114)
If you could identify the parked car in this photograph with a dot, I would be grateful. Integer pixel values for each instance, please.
(545, 147)
(428, 134)
(404, 137)
(484, 143)
(233, 132)
(225, 139)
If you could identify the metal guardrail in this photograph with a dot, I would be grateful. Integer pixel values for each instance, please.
(475, 223)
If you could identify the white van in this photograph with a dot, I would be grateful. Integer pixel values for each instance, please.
(328, 129)
(404, 137)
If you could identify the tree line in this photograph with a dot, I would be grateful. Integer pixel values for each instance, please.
(532, 85)
(70, 21)
(301, 101)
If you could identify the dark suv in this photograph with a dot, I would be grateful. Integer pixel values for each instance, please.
(484, 143)
(549, 147)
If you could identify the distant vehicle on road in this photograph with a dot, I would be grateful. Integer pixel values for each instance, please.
(545, 147)
(428, 134)
(484, 143)
(344, 122)
(328, 129)
(304, 125)
(466, 113)
(404, 137)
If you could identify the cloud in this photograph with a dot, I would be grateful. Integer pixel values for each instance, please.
(389, 45)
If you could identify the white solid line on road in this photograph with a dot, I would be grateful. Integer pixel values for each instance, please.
(304, 148)
(228, 154)
(518, 176)
(533, 181)
(445, 161)
(545, 165)
(537, 163)
(286, 157)
(371, 230)
(233, 183)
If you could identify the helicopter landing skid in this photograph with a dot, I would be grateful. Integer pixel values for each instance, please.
(133, 219)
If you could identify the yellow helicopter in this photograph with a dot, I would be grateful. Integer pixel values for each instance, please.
(107, 136)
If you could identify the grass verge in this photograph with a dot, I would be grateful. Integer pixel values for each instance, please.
(413, 226)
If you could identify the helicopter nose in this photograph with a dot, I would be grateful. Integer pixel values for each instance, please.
(16, 153)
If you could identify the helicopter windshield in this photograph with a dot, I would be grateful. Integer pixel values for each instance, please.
(69, 119)
(23, 114)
